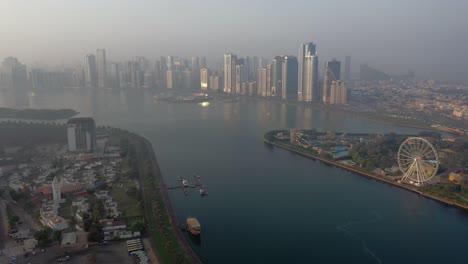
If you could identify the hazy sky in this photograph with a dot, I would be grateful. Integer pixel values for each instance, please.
(428, 36)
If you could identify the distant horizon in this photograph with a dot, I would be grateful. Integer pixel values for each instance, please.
(393, 36)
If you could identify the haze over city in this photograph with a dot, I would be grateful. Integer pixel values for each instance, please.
(393, 36)
(248, 131)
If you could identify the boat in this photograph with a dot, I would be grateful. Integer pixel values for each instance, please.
(193, 225)
(203, 192)
(184, 182)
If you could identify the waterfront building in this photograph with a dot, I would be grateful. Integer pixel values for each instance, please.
(186, 79)
(276, 75)
(148, 80)
(81, 134)
(44, 80)
(252, 88)
(347, 68)
(268, 80)
(289, 78)
(90, 71)
(114, 78)
(332, 73)
(101, 68)
(305, 71)
(204, 79)
(310, 92)
(241, 77)
(230, 61)
(215, 83)
(338, 93)
(262, 82)
(13, 75)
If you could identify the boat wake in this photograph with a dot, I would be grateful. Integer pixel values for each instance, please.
(345, 229)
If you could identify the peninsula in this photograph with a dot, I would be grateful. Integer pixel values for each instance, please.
(37, 114)
(375, 156)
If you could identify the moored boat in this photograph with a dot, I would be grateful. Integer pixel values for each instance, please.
(193, 225)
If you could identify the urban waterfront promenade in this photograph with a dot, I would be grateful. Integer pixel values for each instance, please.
(167, 202)
(369, 175)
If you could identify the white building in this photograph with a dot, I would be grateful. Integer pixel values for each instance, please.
(56, 190)
(81, 134)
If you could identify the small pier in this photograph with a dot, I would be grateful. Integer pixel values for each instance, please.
(184, 184)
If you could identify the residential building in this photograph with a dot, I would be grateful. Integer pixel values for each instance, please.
(332, 73)
(81, 134)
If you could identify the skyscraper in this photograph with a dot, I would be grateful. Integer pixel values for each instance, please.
(261, 81)
(338, 93)
(276, 75)
(13, 75)
(90, 71)
(203, 62)
(332, 73)
(289, 78)
(101, 68)
(229, 73)
(241, 77)
(204, 79)
(347, 68)
(306, 71)
(310, 92)
(114, 80)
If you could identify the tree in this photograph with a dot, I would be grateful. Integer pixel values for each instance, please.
(138, 227)
(95, 233)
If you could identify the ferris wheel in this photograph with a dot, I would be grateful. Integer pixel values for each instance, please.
(418, 160)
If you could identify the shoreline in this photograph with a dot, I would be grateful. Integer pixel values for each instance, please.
(193, 257)
(361, 116)
(371, 176)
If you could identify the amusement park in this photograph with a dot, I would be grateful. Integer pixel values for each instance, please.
(426, 163)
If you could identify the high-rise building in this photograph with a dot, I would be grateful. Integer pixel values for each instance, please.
(90, 71)
(229, 73)
(13, 75)
(289, 78)
(101, 68)
(276, 75)
(332, 73)
(347, 68)
(204, 79)
(81, 134)
(268, 80)
(187, 79)
(241, 77)
(56, 190)
(170, 63)
(262, 82)
(338, 93)
(203, 62)
(135, 73)
(114, 78)
(310, 92)
(148, 80)
(215, 83)
(306, 70)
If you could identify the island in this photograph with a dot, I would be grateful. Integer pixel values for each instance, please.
(37, 114)
(375, 156)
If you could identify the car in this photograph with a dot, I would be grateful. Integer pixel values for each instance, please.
(64, 259)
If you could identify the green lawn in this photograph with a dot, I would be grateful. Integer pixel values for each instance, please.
(129, 205)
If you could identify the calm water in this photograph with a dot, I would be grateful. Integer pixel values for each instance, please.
(267, 205)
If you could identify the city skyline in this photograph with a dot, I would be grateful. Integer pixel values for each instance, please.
(368, 31)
